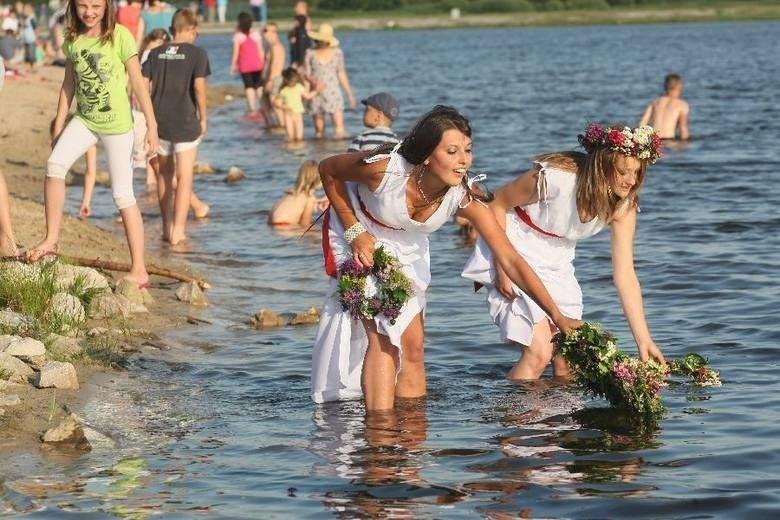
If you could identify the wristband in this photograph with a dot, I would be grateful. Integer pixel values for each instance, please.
(354, 230)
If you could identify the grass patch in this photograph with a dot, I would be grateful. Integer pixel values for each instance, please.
(5, 375)
(28, 289)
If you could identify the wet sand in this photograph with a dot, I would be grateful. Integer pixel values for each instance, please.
(28, 105)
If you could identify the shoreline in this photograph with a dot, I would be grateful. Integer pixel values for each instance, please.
(28, 105)
(400, 20)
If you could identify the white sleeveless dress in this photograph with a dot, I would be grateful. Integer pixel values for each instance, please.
(341, 342)
(545, 234)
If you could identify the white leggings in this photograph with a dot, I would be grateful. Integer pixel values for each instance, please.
(74, 142)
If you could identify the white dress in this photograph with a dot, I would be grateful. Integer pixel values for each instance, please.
(545, 234)
(341, 342)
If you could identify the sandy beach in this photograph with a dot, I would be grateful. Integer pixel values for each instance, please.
(28, 104)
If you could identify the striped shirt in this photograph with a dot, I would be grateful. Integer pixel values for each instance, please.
(372, 138)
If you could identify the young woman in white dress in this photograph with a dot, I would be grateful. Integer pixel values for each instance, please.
(395, 197)
(566, 197)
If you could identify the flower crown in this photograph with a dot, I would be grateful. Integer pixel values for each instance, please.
(643, 142)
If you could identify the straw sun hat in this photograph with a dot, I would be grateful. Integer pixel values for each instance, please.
(325, 34)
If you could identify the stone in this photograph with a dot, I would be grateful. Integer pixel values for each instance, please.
(108, 305)
(11, 319)
(67, 308)
(10, 400)
(65, 346)
(25, 347)
(234, 175)
(102, 178)
(6, 341)
(21, 272)
(191, 293)
(267, 319)
(309, 317)
(14, 368)
(68, 432)
(203, 168)
(66, 275)
(131, 291)
(57, 374)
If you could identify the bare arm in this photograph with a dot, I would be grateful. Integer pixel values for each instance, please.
(647, 115)
(200, 99)
(141, 90)
(67, 91)
(682, 123)
(308, 211)
(627, 285)
(139, 35)
(234, 59)
(519, 192)
(344, 81)
(515, 266)
(335, 171)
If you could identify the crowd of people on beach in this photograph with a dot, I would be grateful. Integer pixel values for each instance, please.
(139, 81)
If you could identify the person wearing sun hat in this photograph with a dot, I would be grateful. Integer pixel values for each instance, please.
(378, 116)
(324, 68)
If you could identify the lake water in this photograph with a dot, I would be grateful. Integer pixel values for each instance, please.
(222, 426)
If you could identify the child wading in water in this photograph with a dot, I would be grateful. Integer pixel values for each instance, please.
(566, 197)
(247, 59)
(100, 55)
(297, 206)
(177, 72)
(291, 97)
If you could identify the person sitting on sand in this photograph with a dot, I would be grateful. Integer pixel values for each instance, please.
(297, 206)
(668, 113)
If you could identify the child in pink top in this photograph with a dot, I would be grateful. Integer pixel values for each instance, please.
(248, 61)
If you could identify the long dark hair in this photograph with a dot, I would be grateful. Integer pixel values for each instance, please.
(244, 22)
(426, 135)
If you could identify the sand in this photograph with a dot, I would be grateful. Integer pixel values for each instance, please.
(26, 108)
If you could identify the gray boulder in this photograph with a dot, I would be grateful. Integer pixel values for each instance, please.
(65, 346)
(65, 307)
(267, 319)
(57, 374)
(108, 305)
(192, 294)
(69, 432)
(66, 275)
(234, 175)
(311, 316)
(15, 369)
(131, 291)
(29, 350)
(10, 400)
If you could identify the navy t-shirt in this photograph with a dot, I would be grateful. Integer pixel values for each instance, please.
(172, 68)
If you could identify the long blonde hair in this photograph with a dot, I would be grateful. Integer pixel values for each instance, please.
(595, 172)
(308, 180)
(74, 26)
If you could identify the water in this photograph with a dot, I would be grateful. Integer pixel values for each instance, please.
(223, 424)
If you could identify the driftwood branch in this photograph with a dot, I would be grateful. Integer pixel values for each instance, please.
(121, 266)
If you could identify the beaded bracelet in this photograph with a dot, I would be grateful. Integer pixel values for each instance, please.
(353, 231)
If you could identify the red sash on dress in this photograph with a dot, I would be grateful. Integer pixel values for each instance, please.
(526, 218)
(327, 251)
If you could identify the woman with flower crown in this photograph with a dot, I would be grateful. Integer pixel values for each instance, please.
(566, 197)
(384, 203)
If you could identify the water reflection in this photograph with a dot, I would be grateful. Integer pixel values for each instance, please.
(381, 454)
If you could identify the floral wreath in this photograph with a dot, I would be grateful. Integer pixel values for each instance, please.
(643, 142)
(389, 291)
(602, 370)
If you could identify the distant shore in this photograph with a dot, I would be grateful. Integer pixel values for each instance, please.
(393, 20)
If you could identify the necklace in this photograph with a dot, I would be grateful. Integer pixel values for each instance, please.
(428, 202)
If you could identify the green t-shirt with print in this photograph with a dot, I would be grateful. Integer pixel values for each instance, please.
(102, 103)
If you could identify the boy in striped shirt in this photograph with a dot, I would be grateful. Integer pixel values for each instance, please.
(381, 110)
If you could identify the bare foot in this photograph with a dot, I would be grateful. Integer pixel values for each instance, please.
(41, 251)
(202, 212)
(140, 280)
(178, 239)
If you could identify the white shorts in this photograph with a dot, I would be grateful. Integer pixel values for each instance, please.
(170, 148)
